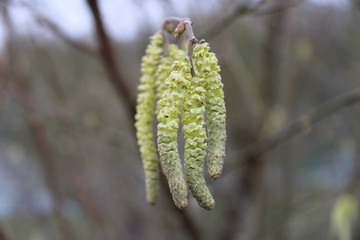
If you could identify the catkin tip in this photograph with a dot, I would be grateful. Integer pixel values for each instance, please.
(209, 206)
(181, 205)
(214, 176)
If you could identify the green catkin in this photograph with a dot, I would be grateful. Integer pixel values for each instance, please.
(164, 70)
(144, 116)
(168, 83)
(170, 104)
(206, 66)
(195, 142)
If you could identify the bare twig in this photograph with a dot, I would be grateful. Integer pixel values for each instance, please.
(244, 10)
(188, 223)
(3, 235)
(220, 26)
(57, 31)
(184, 31)
(272, 57)
(73, 174)
(251, 154)
(326, 109)
(109, 60)
(119, 82)
(38, 133)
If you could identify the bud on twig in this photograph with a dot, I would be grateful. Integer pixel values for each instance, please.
(180, 28)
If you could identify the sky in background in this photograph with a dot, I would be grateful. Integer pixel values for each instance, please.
(74, 18)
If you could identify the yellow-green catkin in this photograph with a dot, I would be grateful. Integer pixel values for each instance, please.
(144, 116)
(195, 142)
(206, 66)
(170, 103)
(164, 70)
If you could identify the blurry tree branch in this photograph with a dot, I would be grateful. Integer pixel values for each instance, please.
(188, 222)
(25, 97)
(243, 10)
(58, 32)
(46, 156)
(3, 235)
(75, 174)
(38, 132)
(106, 52)
(272, 58)
(73, 177)
(251, 154)
(123, 90)
(303, 123)
(252, 179)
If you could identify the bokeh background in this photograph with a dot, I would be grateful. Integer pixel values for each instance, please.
(69, 164)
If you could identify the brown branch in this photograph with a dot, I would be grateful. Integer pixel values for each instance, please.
(109, 60)
(57, 31)
(183, 32)
(73, 175)
(3, 235)
(304, 122)
(252, 153)
(46, 159)
(38, 132)
(220, 26)
(184, 216)
(272, 58)
(121, 86)
(244, 10)
(254, 167)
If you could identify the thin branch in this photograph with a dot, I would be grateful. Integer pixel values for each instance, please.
(304, 122)
(58, 32)
(244, 10)
(220, 26)
(187, 221)
(251, 154)
(183, 31)
(109, 60)
(3, 235)
(38, 133)
(46, 159)
(122, 88)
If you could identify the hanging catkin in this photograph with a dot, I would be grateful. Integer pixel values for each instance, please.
(206, 66)
(170, 103)
(144, 116)
(164, 70)
(195, 142)
(181, 87)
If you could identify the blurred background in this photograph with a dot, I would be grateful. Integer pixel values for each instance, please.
(69, 164)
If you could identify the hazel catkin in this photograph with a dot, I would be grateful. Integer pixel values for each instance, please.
(195, 142)
(164, 70)
(206, 66)
(144, 116)
(181, 88)
(170, 103)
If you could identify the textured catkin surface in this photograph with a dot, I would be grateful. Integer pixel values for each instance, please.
(206, 66)
(164, 70)
(144, 116)
(195, 141)
(170, 104)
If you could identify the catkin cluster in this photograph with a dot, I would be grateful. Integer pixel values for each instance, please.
(180, 91)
